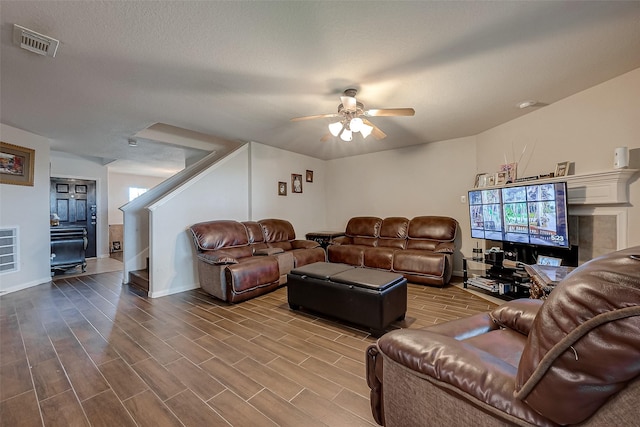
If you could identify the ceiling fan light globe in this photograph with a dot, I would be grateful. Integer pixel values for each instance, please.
(356, 124)
(335, 128)
(347, 135)
(366, 130)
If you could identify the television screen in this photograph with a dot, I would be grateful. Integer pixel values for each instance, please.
(534, 214)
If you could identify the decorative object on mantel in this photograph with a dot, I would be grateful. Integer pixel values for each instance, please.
(621, 158)
(528, 178)
(562, 169)
(480, 181)
(282, 188)
(511, 170)
(16, 164)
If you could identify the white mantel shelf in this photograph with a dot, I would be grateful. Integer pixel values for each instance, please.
(594, 188)
(599, 188)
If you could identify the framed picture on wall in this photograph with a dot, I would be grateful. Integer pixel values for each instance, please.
(16, 164)
(282, 188)
(296, 183)
(309, 176)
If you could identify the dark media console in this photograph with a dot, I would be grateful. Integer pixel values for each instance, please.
(496, 279)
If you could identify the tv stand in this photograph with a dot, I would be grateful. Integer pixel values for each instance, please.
(496, 280)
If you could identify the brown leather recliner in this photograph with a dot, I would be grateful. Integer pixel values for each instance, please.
(420, 249)
(241, 260)
(571, 360)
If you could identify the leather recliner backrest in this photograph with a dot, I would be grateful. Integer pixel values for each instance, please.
(425, 232)
(364, 230)
(278, 233)
(212, 235)
(584, 344)
(393, 232)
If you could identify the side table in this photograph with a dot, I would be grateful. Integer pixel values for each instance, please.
(324, 238)
(544, 278)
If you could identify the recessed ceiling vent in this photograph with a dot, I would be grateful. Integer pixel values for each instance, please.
(34, 42)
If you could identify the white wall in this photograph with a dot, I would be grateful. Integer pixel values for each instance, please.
(422, 180)
(27, 208)
(119, 184)
(66, 165)
(307, 211)
(584, 128)
(218, 193)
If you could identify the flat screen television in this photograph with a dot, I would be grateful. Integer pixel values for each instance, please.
(533, 214)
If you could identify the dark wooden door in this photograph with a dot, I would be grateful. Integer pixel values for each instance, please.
(74, 200)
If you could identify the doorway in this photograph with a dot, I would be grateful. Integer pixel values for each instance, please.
(74, 200)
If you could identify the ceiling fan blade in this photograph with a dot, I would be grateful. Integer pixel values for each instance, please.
(349, 103)
(386, 112)
(326, 137)
(376, 132)
(319, 116)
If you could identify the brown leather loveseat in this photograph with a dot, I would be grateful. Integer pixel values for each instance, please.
(420, 249)
(573, 359)
(241, 260)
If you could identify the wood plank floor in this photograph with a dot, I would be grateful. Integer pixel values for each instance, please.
(88, 351)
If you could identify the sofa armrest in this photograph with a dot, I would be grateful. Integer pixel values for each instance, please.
(342, 240)
(445, 248)
(304, 244)
(461, 329)
(217, 258)
(517, 315)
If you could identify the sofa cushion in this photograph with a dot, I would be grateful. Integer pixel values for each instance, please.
(584, 344)
(364, 226)
(381, 258)
(254, 231)
(393, 232)
(417, 261)
(213, 235)
(394, 227)
(425, 232)
(277, 230)
(346, 254)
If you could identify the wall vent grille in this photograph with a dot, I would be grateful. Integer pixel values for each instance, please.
(8, 250)
(35, 42)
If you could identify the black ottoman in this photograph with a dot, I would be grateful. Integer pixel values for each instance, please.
(365, 297)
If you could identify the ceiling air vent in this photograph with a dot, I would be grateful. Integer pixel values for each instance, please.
(35, 42)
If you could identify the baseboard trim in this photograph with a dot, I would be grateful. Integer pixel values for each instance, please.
(22, 286)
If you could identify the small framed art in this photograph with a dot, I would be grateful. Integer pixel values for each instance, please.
(309, 176)
(282, 188)
(16, 164)
(296, 183)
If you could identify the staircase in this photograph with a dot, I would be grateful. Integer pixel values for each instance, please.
(140, 278)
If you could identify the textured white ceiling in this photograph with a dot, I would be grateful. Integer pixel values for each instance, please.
(238, 71)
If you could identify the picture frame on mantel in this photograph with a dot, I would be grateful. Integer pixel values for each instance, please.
(562, 169)
(16, 164)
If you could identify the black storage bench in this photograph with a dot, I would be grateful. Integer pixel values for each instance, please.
(365, 297)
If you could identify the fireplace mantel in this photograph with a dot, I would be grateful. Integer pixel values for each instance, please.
(594, 188)
(599, 188)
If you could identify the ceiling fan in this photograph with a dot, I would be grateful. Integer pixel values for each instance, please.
(352, 117)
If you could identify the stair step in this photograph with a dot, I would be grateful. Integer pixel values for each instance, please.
(139, 279)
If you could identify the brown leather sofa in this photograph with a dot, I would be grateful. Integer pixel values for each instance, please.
(420, 249)
(241, 260)
(573, 359)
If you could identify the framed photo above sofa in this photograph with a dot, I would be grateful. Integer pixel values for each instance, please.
(296, 183)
